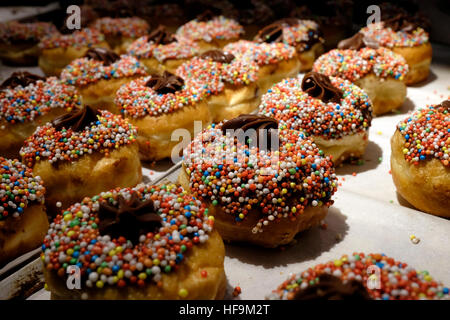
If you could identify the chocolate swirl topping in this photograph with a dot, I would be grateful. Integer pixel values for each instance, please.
(358, 41)
(218, 56)
(161, 36)
(76, 120)
(444, 104)
(319, 86)
(401, 22)
(271, 33)
(100, 54)
(206, 15)
(20, 78)
(166, 83)
(130, 219)
(332, 288)
(261, 124)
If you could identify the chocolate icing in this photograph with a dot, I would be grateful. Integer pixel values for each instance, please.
(77, 119)
(319, 86)
(358, 41)
(21, 78)
(161, 36)
(218, 56)
(401, 22)
(274, 33)
(445, 104)
(129, 219)
(166, 83)
(100, 54)
(271, 33)
(253, 121)
(332, 288)
(206, 15)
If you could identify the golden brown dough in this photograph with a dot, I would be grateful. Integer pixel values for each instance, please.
(69, 182)
(22, 234)
(426, 186)
(418, 59)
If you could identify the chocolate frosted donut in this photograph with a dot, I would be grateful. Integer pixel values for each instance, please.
(149, 242)
(161, 50)
(304, 35)
(259, 195)
(361, 276)
(405, 36)
(379, 72)
(19, 41)
(81, 153)
(121, 32)
(99, 74)
(58, 50)
(334, 112)
(28, 101)
(210, 31)
(159, 104)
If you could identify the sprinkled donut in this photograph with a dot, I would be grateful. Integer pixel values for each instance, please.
(150, 242)
(259, 195)
(27, 101)
(237, 76)
(18, 41)
(82, 153)
(120, 32)
(420, 159)
(162, 51)
(335, 112)
(211, 32)
(58, 50)
(403, 35)
(379, 72)
(354, 277)
(99, 74)
(159, 104)
(303, 35)
(23, 222)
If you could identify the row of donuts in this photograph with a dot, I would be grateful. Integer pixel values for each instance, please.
(88, 112)
(314, 187)
(160, 242)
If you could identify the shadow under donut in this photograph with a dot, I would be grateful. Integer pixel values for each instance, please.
(307, 245)
(406, 107)
(370, 161)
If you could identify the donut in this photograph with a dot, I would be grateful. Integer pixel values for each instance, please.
(211, 32)
(303, 35)
(159, 104)
(99, 74)
(420, 159)
(82, 153)
(19, 41)
(405, 37)
(237, 76)
(258, 192)
(150, 242)
(120, 32)
(27, 101)
(361, 276)
(58, 50)
(379, 72)
(334, 112)
(23, 221)
(162, 51)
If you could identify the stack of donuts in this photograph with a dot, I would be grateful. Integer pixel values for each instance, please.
(278, 114)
